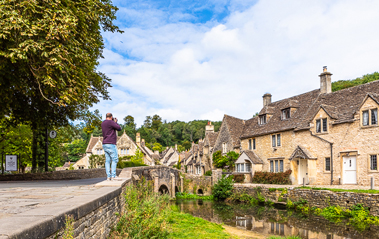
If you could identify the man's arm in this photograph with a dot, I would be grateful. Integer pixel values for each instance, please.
(116, 126)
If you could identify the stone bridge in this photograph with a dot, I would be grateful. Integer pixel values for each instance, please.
(165, 179)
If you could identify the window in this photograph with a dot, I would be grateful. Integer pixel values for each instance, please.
(318, 126)
(224, 147)
(373, 162)
(327, 164)
(253, 143)
(365, 118)
(127, 151)
(248, 167)
(249, 144)
(279, 166)
(262, 119)
(278, 143)
(286, 114)
(238, 167)
(374, 116)
(324, 125)
(274, 140)
(242, 167)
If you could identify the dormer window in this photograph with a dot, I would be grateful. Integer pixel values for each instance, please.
(286, 113)
(224, 148)
(322, 125)
(262, 119)
(370, 117)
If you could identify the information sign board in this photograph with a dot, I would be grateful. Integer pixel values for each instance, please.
(11, 163)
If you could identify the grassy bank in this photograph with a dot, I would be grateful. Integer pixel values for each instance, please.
(192, 196)
(149, 215)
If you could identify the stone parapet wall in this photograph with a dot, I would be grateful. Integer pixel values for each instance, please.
(192, 184)
(317, 198)
(58, 175)
(93, 221)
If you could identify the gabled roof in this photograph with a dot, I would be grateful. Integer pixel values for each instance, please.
(301, 152)
(253, 157)
(340, 106)
(235, 127)
(210, 139)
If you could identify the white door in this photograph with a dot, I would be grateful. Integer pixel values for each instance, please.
(350, 170)
(303, 171)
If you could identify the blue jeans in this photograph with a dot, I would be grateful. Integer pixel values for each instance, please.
(111, 156)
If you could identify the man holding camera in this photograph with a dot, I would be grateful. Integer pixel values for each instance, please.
(109, 127)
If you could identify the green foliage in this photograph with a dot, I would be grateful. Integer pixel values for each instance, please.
(223, 188)
(157, 147)
(68, 232)
(343, 190)
(76, 149)
(185, 195)
(343, 84)
(279, 237)
(186, 144)
(181, 148)
(129, 164)
(239, 178)
(208, 173)
(227, 160)
(272, 178)
(96, 161)
(137, 158)
(145, 214)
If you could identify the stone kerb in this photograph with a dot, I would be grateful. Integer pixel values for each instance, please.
(58, 175)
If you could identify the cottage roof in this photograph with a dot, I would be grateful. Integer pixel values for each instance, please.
(340, 106)
(253, 157)
(235, 127)
(210, 139)
(301, 152)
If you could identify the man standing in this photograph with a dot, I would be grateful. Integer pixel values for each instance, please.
(109, 127)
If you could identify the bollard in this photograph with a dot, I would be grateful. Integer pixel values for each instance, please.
(303, 182)
(372, 183)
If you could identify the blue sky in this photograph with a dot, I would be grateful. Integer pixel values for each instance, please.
(187, 60)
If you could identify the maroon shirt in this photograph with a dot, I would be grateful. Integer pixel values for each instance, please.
(108, 127)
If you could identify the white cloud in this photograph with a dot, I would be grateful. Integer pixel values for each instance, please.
(190, 71)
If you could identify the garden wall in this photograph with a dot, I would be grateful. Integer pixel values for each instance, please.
(318, 198)
(192, 184)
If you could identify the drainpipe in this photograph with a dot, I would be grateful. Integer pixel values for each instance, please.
(331, 155)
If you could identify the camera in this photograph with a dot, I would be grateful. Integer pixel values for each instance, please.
(114, 119)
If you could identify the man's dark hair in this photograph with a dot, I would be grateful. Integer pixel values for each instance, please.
(109, 115)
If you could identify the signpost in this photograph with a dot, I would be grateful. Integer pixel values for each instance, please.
(11, 163)
(52, 134)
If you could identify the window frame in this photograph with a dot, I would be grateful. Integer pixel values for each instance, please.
(273, 140)
(250, 146)
(254, 144)
(286, 113)
(262, 119)
(371, 119)
(324, 127)
(370, 158)
(368, 118)
(325, 165)
(224, 148)
(278, 140)
(318, 125)
(277, 166)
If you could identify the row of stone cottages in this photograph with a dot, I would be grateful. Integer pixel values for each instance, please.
(126, 146)
(324, 137)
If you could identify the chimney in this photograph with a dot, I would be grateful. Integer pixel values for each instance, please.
(325, 81)
(209, 128)
(143, 142)
(266, 99)
(176, 147)
(138, 139)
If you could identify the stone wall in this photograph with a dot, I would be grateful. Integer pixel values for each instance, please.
(317, 198)
(192, 184)
(58, 175)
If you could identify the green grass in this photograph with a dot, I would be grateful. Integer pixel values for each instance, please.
(344, 190)
(184, 225)
(278, 237)
(192, 196)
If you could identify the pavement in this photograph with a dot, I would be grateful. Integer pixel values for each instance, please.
(27, 204)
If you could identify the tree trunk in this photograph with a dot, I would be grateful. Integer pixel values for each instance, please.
(34, 148)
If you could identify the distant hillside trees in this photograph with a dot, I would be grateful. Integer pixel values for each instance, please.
(343, 84)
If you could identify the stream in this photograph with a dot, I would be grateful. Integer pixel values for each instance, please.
(271, 221)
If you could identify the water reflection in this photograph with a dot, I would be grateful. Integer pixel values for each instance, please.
(272, 221)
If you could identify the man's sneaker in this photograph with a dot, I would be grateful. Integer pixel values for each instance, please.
(109, 179)
(117, 178)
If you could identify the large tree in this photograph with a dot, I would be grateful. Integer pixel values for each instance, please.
(49, 52)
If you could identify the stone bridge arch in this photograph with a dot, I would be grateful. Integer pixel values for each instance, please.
(159, 175)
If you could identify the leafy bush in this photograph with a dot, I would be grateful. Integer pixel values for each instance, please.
(208, 173)
(272, 178)
(227, 160)
(223, 188)
(145, 214)
(128, 164)
(239, 178)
